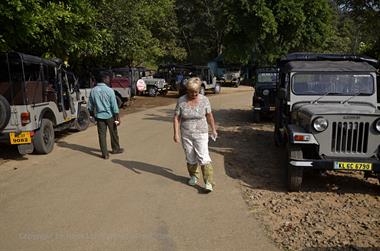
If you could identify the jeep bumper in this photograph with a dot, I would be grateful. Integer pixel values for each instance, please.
(351, 165)
(264, 109)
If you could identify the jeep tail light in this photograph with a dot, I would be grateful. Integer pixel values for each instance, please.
(298, 137)
(25, 118)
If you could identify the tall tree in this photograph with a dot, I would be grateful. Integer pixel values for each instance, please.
(262, 31)
(62, 29)
(202, 27)
(141, 31)
(364, 18)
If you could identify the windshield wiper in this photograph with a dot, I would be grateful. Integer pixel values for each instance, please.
(353, 96)
(324, 95)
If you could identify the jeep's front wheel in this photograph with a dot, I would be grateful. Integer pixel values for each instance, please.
(152, 91)
(83, 120)
(295, 173)
(278, 136)
(119, 101)
(164, 93)
(43, 140)
(256, 116)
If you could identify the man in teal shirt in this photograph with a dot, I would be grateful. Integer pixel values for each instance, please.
(102, 104)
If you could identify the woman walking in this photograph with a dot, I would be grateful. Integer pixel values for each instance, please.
(192, 116)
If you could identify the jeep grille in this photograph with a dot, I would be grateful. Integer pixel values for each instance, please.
(349, 137)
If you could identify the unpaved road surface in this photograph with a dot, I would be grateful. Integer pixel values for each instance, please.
(72, 199)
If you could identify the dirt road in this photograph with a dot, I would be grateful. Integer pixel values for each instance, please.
(72, 199)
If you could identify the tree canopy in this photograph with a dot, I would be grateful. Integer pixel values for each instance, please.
(148, 32)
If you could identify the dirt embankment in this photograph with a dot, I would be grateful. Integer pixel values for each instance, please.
(339, 211)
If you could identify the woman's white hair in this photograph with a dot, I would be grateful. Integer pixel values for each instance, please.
(193, 84)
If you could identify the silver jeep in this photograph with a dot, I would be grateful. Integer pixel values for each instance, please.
(37, 97)
(328, 114)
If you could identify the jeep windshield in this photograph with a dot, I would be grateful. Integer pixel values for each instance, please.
(265, 78)
(340, 84)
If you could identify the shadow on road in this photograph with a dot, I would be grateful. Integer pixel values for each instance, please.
(168, 117)
(251, 156)
(9, 152)
(140, 167)
(80, 148)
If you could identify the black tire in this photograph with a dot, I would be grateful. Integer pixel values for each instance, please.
(256, 116)
(295, 173)
(5, 112)
(202, 90)
(152, 91)
(164, 93)
(237, 84)
(295, 176)
(83, 120)
(217, 88)
(119, 101)
(43, 140)
(279, 139)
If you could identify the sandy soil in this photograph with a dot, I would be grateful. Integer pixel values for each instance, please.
(339, 211)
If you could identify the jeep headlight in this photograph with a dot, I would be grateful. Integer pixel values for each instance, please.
(320, 124)
(266, 92)
(377, 125)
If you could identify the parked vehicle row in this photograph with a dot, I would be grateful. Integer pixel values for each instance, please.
(327, 114)
(177, 76)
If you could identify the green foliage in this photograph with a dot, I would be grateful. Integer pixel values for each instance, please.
(202, 25)
(147, 32)
(262, 31)
(49, 28)
(141, 31)
(362, 23)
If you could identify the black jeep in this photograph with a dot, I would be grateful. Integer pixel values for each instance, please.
(264, 97)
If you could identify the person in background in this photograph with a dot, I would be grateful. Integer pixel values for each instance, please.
(192, 116)
(103, 106)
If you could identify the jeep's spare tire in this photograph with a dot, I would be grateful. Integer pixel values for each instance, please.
(5, 112)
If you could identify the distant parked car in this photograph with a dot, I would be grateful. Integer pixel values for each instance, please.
(231, 77)
(153, 85)
(208, 79)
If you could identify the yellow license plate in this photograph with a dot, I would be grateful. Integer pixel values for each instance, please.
(353, 166)
(21, 138)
